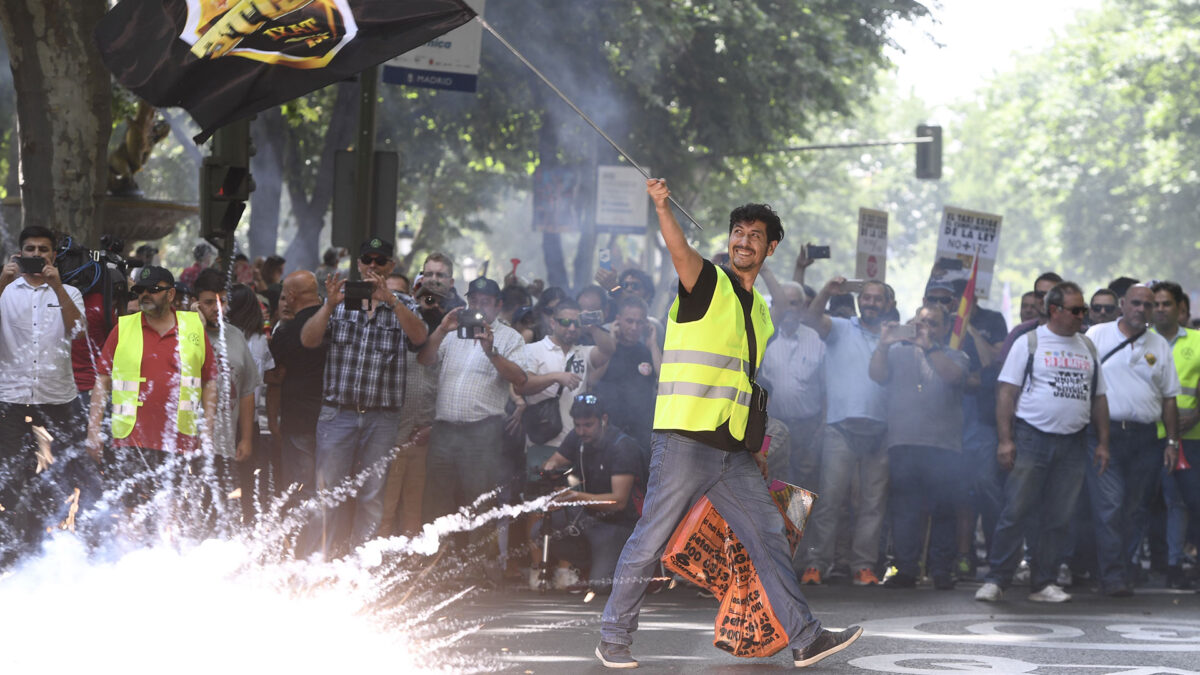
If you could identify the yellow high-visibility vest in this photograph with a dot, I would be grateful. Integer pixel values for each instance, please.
(1186, 352)
(705, 377)
(127, 372)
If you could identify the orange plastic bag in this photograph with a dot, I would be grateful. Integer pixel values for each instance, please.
(704, 550)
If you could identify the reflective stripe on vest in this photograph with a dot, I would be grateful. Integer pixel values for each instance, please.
(704, 381)
(1186, 353)
(127, 372)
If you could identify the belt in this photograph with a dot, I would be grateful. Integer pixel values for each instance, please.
(1131, 425)
(360, 409)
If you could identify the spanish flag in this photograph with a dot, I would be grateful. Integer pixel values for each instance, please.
(964, 306)
(223, 60)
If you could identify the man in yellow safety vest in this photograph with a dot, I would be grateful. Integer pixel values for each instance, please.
(717, 330)
(160, 368)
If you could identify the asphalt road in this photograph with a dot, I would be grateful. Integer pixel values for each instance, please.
(905, 631)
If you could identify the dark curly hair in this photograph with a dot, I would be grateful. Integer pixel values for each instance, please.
(748, 213)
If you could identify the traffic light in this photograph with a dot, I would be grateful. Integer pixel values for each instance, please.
(929, 154)
(225, 184)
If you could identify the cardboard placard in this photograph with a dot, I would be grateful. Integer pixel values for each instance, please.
(963, 233)
(871, 257)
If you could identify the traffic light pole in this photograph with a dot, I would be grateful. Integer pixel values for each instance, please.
(364, 156)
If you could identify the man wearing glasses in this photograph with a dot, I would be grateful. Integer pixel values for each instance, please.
(160, 369)
(1051, 383)
(1041, 286)
(1139, 374)
(1104, 307)
(363, 392)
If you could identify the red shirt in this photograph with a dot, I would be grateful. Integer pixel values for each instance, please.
(85, 349)
(160, 366)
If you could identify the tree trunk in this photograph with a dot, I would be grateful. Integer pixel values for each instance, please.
(303, 251)
(267, 168)
(63, 107)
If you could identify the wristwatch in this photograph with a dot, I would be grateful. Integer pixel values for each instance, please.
(1172, 443)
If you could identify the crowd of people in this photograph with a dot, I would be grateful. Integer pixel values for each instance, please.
(1056, 451)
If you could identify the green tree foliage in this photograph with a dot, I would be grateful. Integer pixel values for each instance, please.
(1089, 149)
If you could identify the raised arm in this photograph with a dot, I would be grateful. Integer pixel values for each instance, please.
(687, 260)
(312, 334)
(815, 317)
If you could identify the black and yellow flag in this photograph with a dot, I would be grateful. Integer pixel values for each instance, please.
(223, 60)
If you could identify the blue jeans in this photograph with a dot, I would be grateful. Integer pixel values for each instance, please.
(298, 462)
(349, 443)
(682, 471)
(1120, 498)
(1181, 489)
(605, 539)
(922, 481)
(843, 454)
(1045, 482)
(985, 478)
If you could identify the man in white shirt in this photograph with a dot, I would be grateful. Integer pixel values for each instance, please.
(559, 367)
(1139, 374)
(39, 316)
(793, 371)
(1054, 395)
(476, 365)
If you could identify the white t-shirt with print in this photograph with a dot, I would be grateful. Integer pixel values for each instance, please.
(547, 357)
(1057, 399)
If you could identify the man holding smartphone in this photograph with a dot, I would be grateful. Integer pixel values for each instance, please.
(363, 392)
(39, 316)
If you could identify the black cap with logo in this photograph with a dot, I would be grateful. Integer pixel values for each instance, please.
(377, 246)
(152, 276)
(485, 286)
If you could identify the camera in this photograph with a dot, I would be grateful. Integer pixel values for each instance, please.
(471, 324)
(546, 481)
(593, 317)
(31, 265)
(356, 295)
(815, 252)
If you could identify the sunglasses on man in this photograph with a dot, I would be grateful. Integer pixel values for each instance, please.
(943, 299)
(1100, 308)
(374, 259)
(153, 290)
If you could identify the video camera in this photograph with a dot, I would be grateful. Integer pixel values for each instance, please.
(471, 324)
(102, 270)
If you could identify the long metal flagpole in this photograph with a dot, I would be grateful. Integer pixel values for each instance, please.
(579, 112)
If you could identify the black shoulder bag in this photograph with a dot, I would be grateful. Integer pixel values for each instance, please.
(543, 420)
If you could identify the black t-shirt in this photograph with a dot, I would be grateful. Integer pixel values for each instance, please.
(628, 390)
(692, 307)
(615, 454)
(300, 396)
(981, 404)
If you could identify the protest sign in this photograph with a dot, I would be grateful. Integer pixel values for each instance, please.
(621, 200)
(963, 233)
(871, 261)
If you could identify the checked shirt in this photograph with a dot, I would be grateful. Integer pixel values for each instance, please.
(366, 360)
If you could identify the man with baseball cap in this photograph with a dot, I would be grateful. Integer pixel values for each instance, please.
(478, 358)
(160, 369)
(363, 392)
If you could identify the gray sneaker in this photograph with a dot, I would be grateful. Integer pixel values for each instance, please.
(615, 655)
(826, 644)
